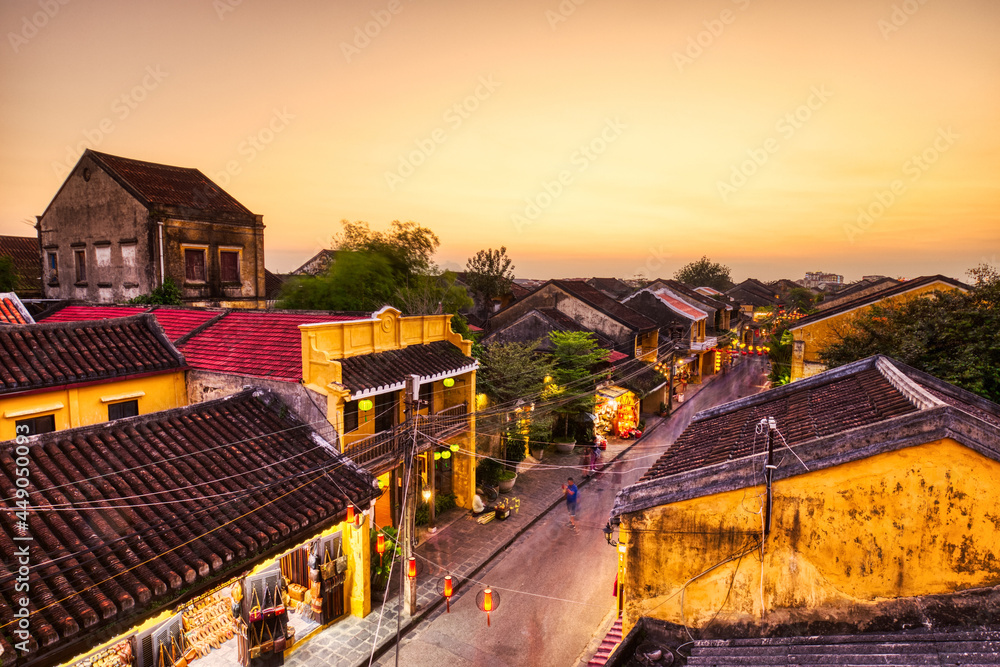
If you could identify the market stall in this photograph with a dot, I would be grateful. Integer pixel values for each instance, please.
(617, 411)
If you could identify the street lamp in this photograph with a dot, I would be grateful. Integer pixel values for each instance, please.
(609, 529)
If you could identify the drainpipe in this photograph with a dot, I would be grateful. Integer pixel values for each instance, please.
(159, 224)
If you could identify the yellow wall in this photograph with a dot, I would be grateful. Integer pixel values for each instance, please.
(85, 405)
(809, 339)
(323, 345)
(918, 521)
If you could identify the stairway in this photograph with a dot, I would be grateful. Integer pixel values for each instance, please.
(608, 644)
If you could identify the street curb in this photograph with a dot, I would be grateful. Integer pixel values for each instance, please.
(421, 615)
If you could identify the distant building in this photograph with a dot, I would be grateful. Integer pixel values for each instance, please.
(118, 228)
(25, 253)
(317, 264)
(816, 278)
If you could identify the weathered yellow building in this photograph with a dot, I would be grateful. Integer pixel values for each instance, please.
(362, 367)
(67, 374)
(883, 493)
(813, 333)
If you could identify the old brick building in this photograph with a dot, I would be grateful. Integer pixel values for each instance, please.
(117, 228)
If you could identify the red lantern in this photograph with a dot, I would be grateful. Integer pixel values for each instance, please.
(411, 567)
(488, 601)
(380, 544)
(350, 514)
(448, 592)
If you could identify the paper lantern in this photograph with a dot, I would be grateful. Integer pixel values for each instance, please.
(437, 456)
(488, 600)
(454, 447)
(448, 382)
(448, 592)
(350, 514)
(365, 405)
(411, 567)
(446, 455)
(380, 544)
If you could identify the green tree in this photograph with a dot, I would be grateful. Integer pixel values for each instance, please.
(360, 281)
(167, 294)
(408, 247)
(799, 298)
(8, 274)
(576, 356)
(489, 274)
(949, 334)
(705, 273)
(427, 295)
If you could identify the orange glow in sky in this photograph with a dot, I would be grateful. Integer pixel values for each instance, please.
(589, 137)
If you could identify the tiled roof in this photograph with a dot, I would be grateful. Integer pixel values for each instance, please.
(752, 292)
(176, 322)
(12, 311)
(613, 287)
(259, 344)
(26, 254)
(678, 306)
(384, 371)
(135, 513)
(35, 356)
(601, 301)
(868, 299)
(802, 413)
(272, 284)
(172, 186)
(682, 289)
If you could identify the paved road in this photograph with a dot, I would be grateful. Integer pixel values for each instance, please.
(555, 585)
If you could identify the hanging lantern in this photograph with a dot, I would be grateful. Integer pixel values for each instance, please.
(448, 382)
(454, 447)
(488, 600)
(365, 405)
(359, 518)
(380, 543)
(437, 456)
(445, 455)
(448, 592)
(411, 567)
(350, 514)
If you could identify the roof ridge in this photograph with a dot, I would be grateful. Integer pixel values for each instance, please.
(919, 397)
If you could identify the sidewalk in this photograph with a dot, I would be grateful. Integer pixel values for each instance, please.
(461, 548)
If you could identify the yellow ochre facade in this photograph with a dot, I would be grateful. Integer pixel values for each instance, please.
(920, 520)
(84, 404)
(325, 344)
(811, 338)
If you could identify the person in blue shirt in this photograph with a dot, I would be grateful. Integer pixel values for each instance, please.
(571, 493)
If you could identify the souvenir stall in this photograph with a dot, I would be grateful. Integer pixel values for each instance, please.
(315, 576)
(617, 411)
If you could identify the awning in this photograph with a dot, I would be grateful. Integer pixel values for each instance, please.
(688, 360)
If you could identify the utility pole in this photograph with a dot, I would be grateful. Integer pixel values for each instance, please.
(412, 396)
(769, 468)
(670, 384)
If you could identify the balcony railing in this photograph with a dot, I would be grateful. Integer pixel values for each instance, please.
(385, 449)
(707, 344)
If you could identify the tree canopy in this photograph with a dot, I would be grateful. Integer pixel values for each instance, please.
(8, 274)
(361, 281)
(576, 356)
(508, 371)
(705, 273)
(408, 247)
(489, 273)
(949, 334)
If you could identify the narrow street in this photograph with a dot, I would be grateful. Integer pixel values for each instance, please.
(555, 586)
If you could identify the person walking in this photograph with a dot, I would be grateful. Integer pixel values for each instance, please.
(571, 493)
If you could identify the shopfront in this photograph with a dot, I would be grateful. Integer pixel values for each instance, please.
(617, 411)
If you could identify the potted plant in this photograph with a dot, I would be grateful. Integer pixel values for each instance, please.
(507, 479)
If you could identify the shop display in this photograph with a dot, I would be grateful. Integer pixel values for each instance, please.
(208, 624)
(116, 655)
(617, 411)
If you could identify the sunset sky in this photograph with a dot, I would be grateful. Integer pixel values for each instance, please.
(589, 137)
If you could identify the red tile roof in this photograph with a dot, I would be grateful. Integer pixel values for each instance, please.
(133, 514)
(36, 356)
(258, 344)
(166, 185)
(85, 313)
(615, 355)
(179, 322)
(679, 307)
(12, 311)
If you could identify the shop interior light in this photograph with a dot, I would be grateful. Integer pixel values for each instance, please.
(427, 495)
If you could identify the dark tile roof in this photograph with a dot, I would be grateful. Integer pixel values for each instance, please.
(613, 287)
(273, 283)
(27, 257)
(265, 344)
(814, 411)
(868, 299)
(135, 513)
(35, 356)
(855, 290)
(601, 301)
(316, 264)
(955, 647)
(383, 371)
(164, 185)
(752, 292)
